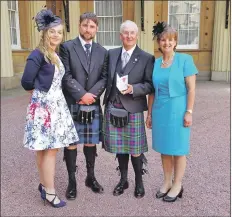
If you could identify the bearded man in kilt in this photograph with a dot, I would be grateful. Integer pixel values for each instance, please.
(83, 83)
(123, 123)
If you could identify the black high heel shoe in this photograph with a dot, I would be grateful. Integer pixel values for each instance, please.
(160, 194)
(173, 199)
(56, 205)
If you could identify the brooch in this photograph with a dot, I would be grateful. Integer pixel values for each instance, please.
(135, 60)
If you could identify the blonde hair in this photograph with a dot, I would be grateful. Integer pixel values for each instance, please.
(45, 47)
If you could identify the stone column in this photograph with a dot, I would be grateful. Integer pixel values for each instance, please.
(34, 8)
(6, 52)
(145, 37)
(221, 45)
(74, 16)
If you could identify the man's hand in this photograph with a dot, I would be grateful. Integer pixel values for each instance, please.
(88, 99)
(128, 90)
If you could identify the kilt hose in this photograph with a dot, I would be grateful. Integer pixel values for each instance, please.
(130, 139)
(90, 133)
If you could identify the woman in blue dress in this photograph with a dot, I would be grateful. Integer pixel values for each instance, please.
(49, 125)
(170, 109)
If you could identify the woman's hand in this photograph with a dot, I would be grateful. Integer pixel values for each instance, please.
(149, 122)
(30, 91)
(188, 119)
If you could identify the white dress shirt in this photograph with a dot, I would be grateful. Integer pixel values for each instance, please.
(130, 54)
(128, 51)
(83, 42)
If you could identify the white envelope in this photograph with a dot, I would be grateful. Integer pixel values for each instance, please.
(122, 82)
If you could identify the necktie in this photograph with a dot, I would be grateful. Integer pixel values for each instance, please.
(87, 46)
(125, 59)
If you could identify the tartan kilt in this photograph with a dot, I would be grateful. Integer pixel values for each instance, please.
(130, 139)
(90, 133)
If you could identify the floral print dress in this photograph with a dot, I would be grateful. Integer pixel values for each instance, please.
(49, 123)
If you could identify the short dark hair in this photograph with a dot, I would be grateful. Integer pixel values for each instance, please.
(89, 16)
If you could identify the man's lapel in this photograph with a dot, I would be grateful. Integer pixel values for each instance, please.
(114, 60)
(133, 61)
(81, 53)
(94, 56)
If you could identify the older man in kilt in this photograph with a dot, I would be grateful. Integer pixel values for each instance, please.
(123, 123)
(84, 81)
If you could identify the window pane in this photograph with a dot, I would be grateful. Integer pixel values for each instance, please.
(183, 37)
(109, 8)
(108, 39)
(117, 23)
(101, 23)
(178, 7)
(194, 21)
(9, 18)
(9, 4)
(117, 41)
(99, 8)
(13, 5)
(13, 23)
(193, 37)
(100, 38)
(194, 7)
(117, 8)
(109, 24)
(14, 36)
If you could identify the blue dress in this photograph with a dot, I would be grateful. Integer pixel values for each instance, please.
(169, 136)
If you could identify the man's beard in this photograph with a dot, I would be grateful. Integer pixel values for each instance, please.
(88, 38)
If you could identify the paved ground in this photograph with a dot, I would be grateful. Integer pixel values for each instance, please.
(206, 183)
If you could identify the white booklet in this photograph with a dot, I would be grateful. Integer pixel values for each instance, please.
(122, 82)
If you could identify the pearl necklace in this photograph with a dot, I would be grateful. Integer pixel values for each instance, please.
(168, 62)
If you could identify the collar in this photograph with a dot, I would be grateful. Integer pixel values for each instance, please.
(83, 42)
(129, 51)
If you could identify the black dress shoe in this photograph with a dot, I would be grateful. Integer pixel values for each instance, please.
(173, 199)
(160, 194)
(92, 183)
(139, 191)
(71, 193)
(120, 187)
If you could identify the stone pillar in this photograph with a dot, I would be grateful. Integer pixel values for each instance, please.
(34, 8)
(6, 52)
(221, 45)
(145, 37)
(74, 16)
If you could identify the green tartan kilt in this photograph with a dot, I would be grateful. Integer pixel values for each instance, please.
(130, 139)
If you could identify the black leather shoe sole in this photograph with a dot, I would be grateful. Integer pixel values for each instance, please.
(71, 195)
(139, 192)
(139, 195)
(119, 189)
(95, 187)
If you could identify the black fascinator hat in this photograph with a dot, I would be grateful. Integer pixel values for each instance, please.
(158, 29)
(45, 19)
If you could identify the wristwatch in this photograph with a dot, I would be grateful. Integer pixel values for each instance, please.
(189, 111)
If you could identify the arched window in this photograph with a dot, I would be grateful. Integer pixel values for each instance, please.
(184, 16)
(14, 24)
(110, 18)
